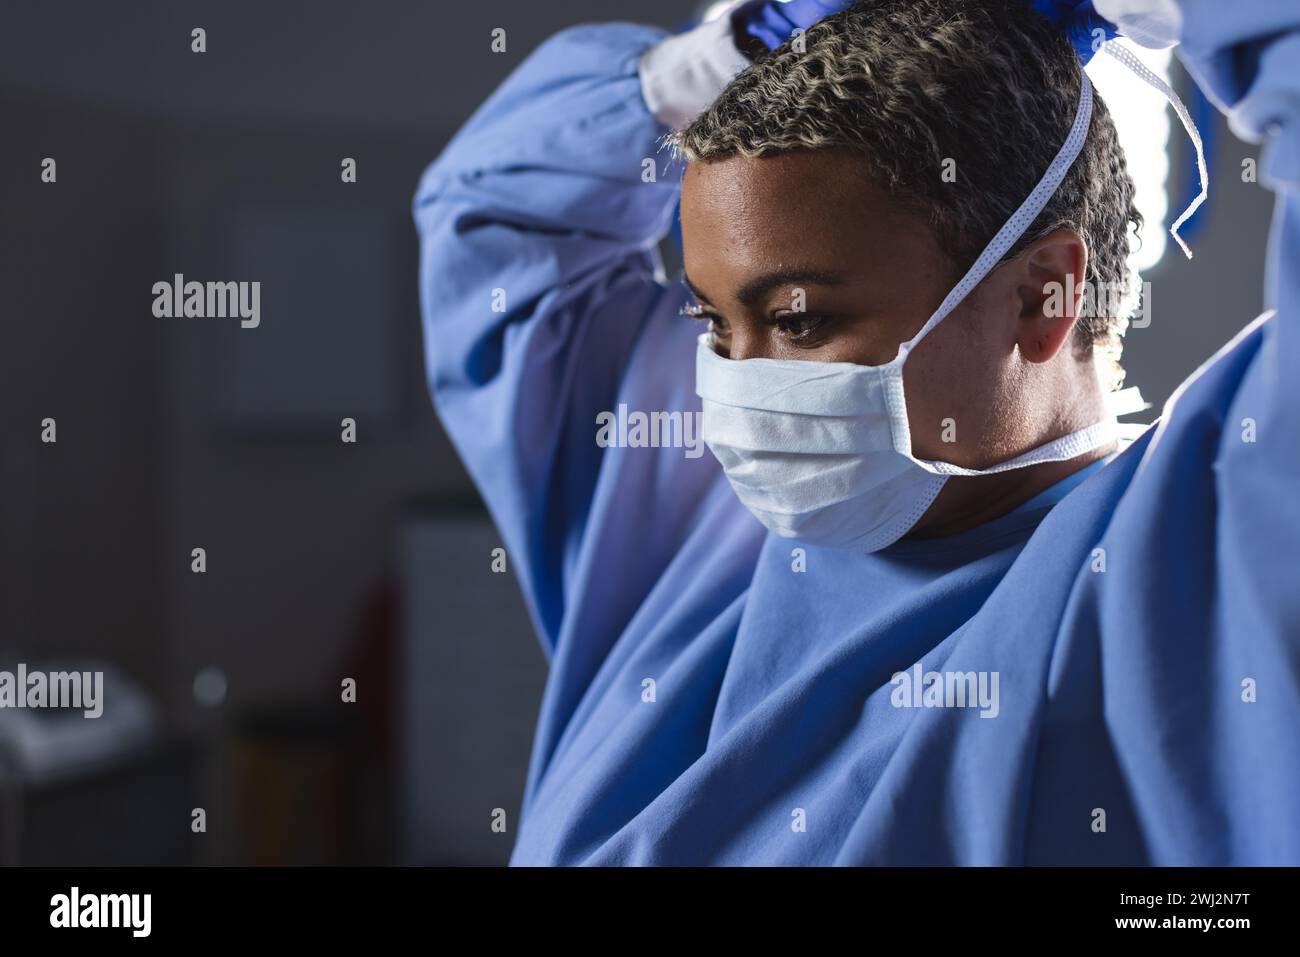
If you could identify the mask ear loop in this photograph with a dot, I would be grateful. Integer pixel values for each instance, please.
(1144, 73)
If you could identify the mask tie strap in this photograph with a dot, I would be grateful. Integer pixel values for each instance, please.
(1144, 73)
(1022, 218)
(891, 374)
(1124, 402)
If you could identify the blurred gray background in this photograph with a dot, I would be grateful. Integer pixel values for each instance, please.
(325, 560)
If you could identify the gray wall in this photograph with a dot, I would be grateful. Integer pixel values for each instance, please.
(161, 152)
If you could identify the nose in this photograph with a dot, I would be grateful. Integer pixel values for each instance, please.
(744, 343)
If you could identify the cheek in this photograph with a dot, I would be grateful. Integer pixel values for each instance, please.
(869, 343)
(951, 381)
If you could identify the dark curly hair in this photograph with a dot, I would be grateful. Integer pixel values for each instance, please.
(989, 84)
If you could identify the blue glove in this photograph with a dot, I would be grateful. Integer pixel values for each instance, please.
(1079, 22)
(772, 23)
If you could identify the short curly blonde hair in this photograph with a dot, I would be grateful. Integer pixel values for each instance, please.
(910, 84)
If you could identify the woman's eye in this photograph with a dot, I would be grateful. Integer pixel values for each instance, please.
(799, 326)
(717, 325)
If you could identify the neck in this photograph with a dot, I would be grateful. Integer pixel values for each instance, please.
(968, 501)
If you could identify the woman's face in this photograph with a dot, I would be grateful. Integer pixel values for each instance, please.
(758, 233)
(801, 256)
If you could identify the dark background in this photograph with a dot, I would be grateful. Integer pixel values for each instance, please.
(325, 560)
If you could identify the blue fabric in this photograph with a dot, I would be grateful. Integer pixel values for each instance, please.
(774, 21)
(1120, 690)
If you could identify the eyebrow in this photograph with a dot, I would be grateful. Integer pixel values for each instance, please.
(754, 289)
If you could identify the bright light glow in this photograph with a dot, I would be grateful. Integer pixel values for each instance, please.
(714, 10)
(1143, 124)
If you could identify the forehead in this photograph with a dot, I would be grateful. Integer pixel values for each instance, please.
(810, 208)
(836, 171)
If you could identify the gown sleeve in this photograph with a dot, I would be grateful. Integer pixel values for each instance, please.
(540, 276)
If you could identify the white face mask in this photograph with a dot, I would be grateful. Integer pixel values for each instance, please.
(822, 451)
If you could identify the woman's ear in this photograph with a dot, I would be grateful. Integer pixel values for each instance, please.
(1050, 292)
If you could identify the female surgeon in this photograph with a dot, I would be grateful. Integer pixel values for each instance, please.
(921, 605)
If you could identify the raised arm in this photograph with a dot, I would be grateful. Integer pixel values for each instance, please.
(538, 273)
(1200, 630)
(1246, 56)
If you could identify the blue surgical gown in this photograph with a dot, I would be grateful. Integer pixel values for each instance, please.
(707, 702)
